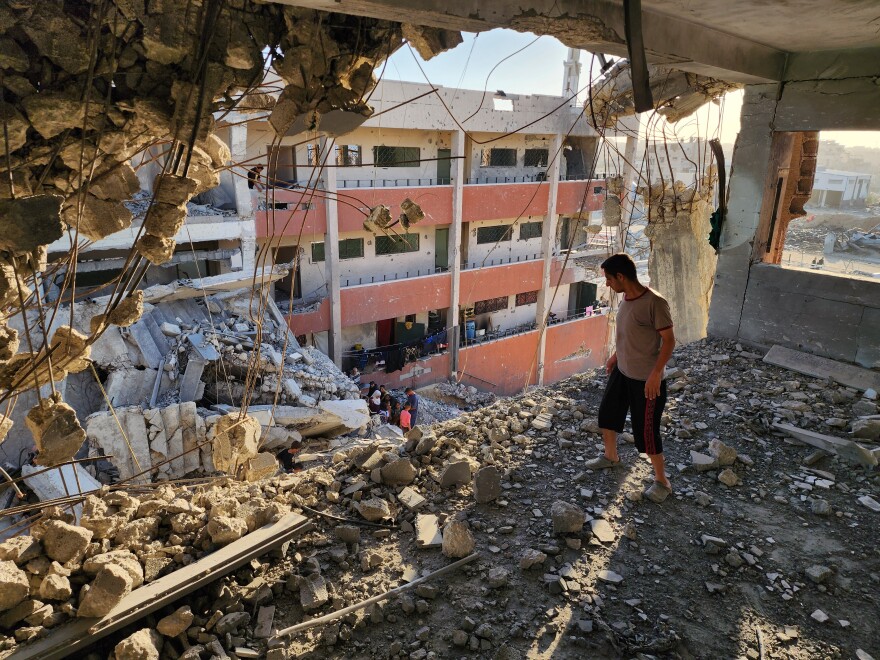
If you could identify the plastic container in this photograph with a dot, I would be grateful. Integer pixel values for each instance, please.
(470, 329)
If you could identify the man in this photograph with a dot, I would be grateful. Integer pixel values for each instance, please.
(287, 457)
(645, 340)
(413, 402)
(254, 176)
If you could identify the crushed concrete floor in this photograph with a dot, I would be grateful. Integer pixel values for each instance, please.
(781, 563)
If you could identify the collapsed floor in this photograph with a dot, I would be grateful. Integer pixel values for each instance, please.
(766, 550)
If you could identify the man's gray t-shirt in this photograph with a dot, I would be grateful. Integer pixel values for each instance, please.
(639, 322)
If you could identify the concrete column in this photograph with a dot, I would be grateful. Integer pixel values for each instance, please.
(626, 207)
(453, 334)
(244, 202)
(331, 252)
(548, 240)
(748, 183)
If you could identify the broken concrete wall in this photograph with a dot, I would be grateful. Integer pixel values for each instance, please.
(828, 315)
(681, 264)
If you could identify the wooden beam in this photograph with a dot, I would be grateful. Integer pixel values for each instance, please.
(80, 633)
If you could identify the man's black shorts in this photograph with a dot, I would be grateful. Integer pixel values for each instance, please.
(624, 394)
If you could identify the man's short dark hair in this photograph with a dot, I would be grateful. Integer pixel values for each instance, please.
(620, 264)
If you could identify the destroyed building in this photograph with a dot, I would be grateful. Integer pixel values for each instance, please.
(144, 515)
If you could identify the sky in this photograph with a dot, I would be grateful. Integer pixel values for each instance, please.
(521, 63)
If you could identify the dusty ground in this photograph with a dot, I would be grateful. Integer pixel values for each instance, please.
(679, 597)
(663, 606)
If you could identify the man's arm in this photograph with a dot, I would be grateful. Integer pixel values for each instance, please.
(652, 385)
(612, 362)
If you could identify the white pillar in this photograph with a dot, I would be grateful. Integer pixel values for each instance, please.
(626, 206)
(243, 198)
(331, 252)
(453, 331)
(548, 239)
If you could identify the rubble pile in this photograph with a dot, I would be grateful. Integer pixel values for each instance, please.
(124, 539)
(468, 394)
(568, 557)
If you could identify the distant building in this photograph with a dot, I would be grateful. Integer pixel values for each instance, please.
(839, 189)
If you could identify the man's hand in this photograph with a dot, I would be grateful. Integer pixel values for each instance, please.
(612, 362)
(652, 385)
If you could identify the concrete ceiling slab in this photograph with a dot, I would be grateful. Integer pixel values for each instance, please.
(744, 41)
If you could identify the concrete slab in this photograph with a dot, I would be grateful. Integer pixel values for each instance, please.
(820, 367)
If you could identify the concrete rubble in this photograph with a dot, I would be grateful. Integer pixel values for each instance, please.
(538, 554)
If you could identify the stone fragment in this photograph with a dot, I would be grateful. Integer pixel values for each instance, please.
(567, 518)
(176, 623)
(29, 222)
(145, 644)
(122, 558)
(702, 462)
(348, 533)
(868, 429)
(64, 542)
(428, 533)
(231, 622)
(261, 466)
(224, 529)
(313, 592)
(155, 249)
(20, 549)
(456, 473)
(531, 558)
(723, 454)
(819, 574)
(55, 587)
(99, 218)
(398, 473)
(110, 586)
(487, 484)
(411, 499)
(870, 502)
(14, 585)
(728, 478)
(602, 530)
(56, 430)
(820, 616)
(458, 540)
(236, 439)
(373, 509)
(128, 311)
(609, 576)
(498, 577)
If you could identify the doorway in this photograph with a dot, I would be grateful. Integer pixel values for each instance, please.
(384, 332)
(444, 167)
(441, 249)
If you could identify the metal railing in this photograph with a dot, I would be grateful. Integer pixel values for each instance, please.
(391, 183)
(501, 261)
(391, 277)
(530, 178)
(502, 333)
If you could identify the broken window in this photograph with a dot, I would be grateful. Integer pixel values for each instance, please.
(351, 248)
(825, 213)
(536, 157)
(498, 158)
(313, 152)
(491, 305)
(348, 155)
(526, 298)
(397, 244)
(494, 233)
(396, 156)
(528, 230)
(317, 252)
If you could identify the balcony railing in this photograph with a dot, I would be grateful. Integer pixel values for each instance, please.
(390, 277)
(529, 178)
(391, 183)
(501, 332)
(500, 261)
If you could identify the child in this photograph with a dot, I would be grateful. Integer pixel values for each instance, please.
(287, 457)
(405, 417)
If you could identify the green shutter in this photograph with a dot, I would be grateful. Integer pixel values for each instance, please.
(317, 252)
(397, 244)
(351, 248)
